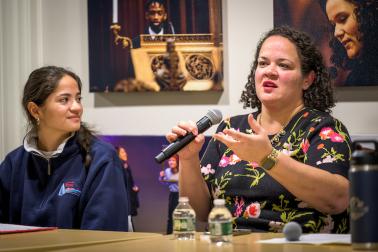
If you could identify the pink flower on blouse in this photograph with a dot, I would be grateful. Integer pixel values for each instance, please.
(231, 160)
(287, 149)
(335, 137)
(305, 145)
(239, 206)
(224, 161)
(253, 210)
(234, 159)
(206, 170)
(327, 159)
(254, 164)
(325, 133)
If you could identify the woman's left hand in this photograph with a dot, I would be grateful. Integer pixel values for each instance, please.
(250, 147)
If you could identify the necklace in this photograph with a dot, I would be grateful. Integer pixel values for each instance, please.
(276, 138)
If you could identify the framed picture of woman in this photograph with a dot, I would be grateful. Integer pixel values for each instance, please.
(346, 31)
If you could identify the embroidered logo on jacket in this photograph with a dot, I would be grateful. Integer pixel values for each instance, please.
(69, 187)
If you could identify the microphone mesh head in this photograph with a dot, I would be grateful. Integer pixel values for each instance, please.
(292, 231)
(214, 115)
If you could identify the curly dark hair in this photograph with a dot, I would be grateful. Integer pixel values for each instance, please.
(40, 84)
(367, 18)
(319, 95)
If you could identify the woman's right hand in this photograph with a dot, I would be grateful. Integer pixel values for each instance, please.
(194, 147)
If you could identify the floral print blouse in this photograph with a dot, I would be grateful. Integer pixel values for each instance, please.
(255, 199)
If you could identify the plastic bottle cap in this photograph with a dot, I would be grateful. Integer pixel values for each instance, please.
(183, 199)
(219, 202)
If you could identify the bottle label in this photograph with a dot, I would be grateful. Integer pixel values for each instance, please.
(220, 228)
(185, 224)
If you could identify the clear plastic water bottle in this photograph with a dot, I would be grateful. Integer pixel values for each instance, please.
(184, 220)
(220, 223)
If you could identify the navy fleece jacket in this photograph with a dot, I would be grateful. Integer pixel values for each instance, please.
(72, 196)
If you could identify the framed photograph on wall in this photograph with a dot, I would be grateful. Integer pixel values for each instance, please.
(155, 45)
(346, 32)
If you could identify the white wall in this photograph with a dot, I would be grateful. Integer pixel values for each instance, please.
(16, 50)
(34, 33)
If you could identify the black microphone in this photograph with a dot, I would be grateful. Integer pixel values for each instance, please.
(212, 117)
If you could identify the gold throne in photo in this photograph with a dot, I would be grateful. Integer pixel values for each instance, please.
(188, 62)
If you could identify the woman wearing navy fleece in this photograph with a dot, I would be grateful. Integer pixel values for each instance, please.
(62, 175)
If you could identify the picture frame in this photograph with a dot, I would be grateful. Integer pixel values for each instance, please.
(124, 58)
(350, 54)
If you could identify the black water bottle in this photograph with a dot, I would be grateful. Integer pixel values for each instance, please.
(363, 176)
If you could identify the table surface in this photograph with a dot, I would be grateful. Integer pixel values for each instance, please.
(84, 240)
(65, 238)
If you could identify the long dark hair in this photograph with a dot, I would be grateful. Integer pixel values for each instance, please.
(319, 95)
(367, 18)
(40, 84)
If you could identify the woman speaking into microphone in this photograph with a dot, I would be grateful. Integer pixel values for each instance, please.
(288, 160)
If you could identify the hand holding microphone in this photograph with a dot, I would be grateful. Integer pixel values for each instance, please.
(184, 134)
